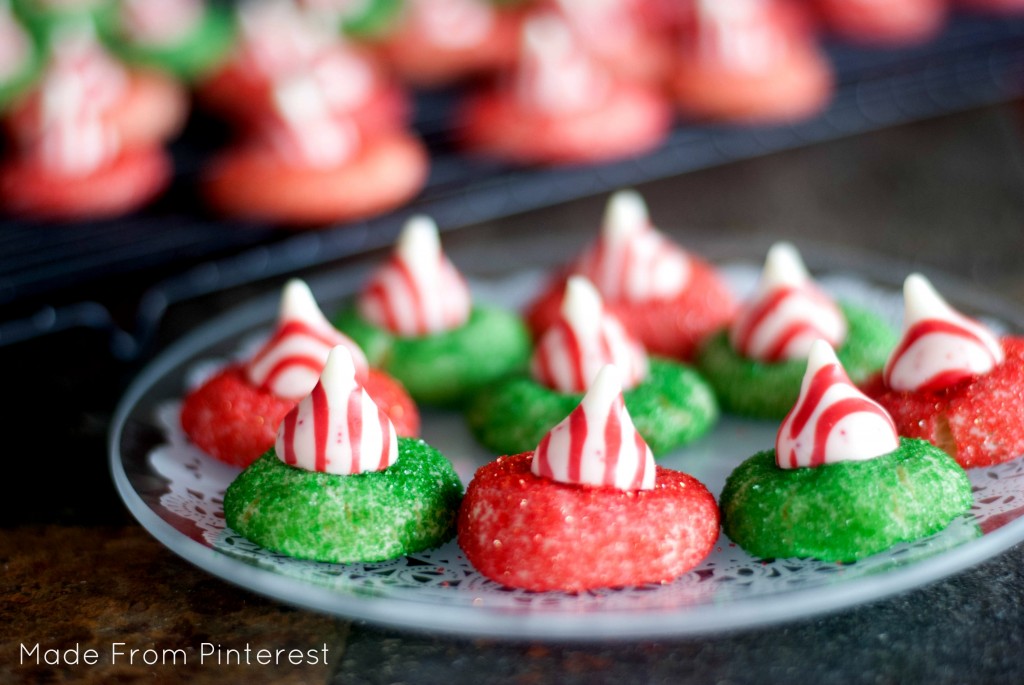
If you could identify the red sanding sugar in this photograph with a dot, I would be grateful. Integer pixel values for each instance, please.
(231, 419)
(391, 396)
(979, 422)
(529, 532)
(671, 327)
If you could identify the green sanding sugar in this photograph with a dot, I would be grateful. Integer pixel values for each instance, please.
(673, 406)
(747, 387)
(408, 507)
(446, 368)
(843, 511)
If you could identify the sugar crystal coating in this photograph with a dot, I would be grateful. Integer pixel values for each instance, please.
(529, 532)
(375, 516)
(843, 511)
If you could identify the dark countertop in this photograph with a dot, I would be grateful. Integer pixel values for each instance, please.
(944, 194)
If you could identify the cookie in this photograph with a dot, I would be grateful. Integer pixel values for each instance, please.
(750, 62)
(667, 297)
(559, 106)
(339, 485)
(952, 382)
(235, 414)
(840, 484)
(755, 365)
(582, 513)
(415, 319)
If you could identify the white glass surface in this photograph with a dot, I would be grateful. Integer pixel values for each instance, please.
(174, 490)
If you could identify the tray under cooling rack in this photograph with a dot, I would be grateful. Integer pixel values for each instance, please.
(55, 277)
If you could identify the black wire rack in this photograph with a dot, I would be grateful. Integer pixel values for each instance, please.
(59, 277)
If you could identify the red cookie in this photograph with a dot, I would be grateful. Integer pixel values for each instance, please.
(151, 111)
(670, 327)
(529, 532)
(246, 98)
(779, 76)
(130, 181)
(797, 90)
(423, 62)
(978, 422)
(634, 120)
(870, 21)
(229, 418)
(250, 181)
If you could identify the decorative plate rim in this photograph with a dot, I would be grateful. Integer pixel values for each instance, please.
(496, 622)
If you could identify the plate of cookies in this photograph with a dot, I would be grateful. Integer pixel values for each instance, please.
(625, 438)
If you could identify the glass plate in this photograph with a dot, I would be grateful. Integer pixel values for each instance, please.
(175, 492)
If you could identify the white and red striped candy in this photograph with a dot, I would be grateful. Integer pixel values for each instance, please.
(277, 40)
(346, 78)
(741, 35)
(631, 260)
(597, 444)
(338, 428)
(307, 134)
(289, 364)
(832, 420)
(160, 22)
(452, 24)
(940, 346)
(418, 291)
(584, 339)
(787, 314)
(604, 25)
(74, 139)
(77, 54)
(555, 74)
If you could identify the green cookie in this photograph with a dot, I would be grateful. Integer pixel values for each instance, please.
(447, 368)
(843, 511)
(672, 407)
(747, 387)
(409, 507)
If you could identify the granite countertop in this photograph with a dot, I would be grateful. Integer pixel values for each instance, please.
(80, 574)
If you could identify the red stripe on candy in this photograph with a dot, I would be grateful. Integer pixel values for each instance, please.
(820, 383)
(543, 457)
(377, 293)
(286, 363)
(613, 443)
(641, 455)
(832, 415)
(354, 422)
(414, 294)
(321, 425)
(577, 438)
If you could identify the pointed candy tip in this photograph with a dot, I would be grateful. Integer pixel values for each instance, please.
(607, 382)
(783, 264)
(625, 213)
(581, 298)
(420, 238)
(821, 355)
(339, 368)
(297, 301)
